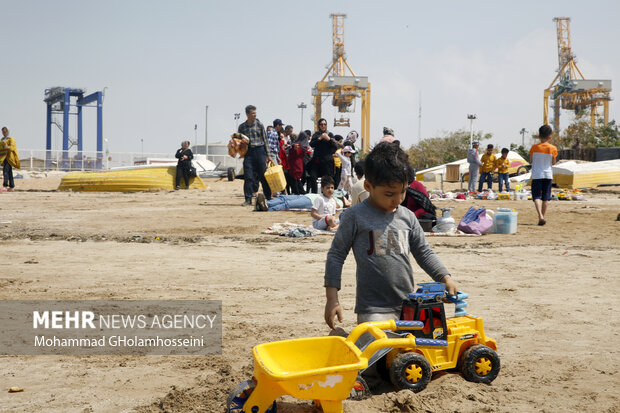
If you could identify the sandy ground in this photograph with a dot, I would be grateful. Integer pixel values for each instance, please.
(547, 296)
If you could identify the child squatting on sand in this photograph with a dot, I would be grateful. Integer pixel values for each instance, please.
(324, 207)
(381, 233)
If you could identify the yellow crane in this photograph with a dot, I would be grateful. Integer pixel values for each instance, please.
(343, 89)
(570, 89)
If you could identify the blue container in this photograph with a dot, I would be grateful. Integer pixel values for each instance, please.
(505, 221)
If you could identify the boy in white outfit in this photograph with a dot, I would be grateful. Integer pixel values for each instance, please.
(324, 207)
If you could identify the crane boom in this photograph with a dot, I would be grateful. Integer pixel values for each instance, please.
(342, 88)
(570, 89)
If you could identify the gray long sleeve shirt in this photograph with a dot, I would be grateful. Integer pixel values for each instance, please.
(381, 244)
(472, 158)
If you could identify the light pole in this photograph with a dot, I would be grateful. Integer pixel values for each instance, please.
(195, 134)
(206, 130)
(302, 106)
(471, 128)
(237, 116)
(523, 132)
(142, 146)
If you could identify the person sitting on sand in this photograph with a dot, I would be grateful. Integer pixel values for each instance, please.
(358, 192)
(418, 202)
(324, 208)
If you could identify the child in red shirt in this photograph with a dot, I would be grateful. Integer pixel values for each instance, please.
(295, 162)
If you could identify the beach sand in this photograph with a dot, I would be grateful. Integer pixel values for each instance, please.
(546, 295)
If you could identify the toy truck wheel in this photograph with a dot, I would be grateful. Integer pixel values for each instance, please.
(360, 390)
(238, 397)
(410, 371)
(438, 298)
(480, 364)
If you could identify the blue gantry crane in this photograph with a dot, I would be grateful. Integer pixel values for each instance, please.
(61, 100)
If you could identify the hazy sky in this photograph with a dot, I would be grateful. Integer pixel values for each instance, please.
(163, 62)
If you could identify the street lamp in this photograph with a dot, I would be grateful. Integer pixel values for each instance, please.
(195, 134)
(237, 116)
(471, 128)
(206, 130)
(523, 132)
(302, 106)
(142, 146)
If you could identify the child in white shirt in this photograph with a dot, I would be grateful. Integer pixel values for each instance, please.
(324, 207)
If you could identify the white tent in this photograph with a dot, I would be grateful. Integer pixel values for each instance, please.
(583, 175)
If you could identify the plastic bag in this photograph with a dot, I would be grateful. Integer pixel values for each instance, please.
(475, 221)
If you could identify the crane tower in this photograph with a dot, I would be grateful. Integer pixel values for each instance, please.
(570, 89)
(343, 89)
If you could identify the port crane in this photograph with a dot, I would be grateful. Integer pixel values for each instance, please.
(341, 87)
(569, 89)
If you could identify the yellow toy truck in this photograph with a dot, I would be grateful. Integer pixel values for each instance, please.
(325, 369)
(441, 344)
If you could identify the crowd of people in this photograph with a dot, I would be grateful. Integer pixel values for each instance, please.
(542, 158)
(307, 159)
(305, 156)
(485, 165)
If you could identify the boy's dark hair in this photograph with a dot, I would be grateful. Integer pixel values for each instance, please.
(411, 173)
(359, 168)
(327, 180)
(308, 132)
(248, 108)
(386, 164)
(505, 150)
(339, 138)
(490, 146)
(287, 127)
(545, 131)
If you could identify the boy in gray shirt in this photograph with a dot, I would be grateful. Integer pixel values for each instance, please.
(381, 233)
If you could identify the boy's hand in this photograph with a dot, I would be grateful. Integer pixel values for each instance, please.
(332, 306)
(332, 309)
(450, 285)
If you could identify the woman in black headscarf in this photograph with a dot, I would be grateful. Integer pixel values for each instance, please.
(322, 162)
(185, 156)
